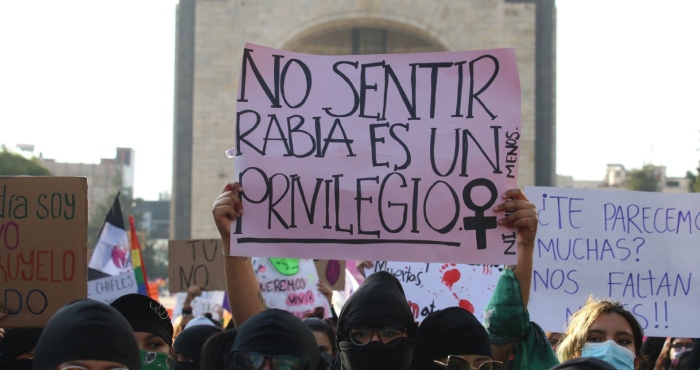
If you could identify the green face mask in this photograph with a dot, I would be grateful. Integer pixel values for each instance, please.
(154, 360)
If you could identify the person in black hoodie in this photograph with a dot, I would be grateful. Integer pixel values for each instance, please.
(376, 326)
(272, 339)
(453, 334)
(188, 346)
(87, 334)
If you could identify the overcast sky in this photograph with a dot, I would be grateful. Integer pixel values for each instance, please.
(627, 84)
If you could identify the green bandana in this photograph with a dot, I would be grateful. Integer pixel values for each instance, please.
(507, 321)
(154, 360)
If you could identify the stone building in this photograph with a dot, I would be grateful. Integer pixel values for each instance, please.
(105, 179)
(210, 39)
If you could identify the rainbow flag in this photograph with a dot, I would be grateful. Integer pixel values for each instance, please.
(136, 258)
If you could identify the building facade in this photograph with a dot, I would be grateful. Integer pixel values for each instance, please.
(615, 178)
(210, 39)
(105, 179)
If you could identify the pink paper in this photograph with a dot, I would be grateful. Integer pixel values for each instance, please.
(397, 157)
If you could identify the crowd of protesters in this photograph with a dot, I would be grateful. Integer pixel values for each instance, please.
(374, 330)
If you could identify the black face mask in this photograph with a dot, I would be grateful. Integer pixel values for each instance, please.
(376, 356)
(328, 358)
(184, 366)
(21, 364)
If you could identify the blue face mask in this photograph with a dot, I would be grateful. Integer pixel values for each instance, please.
(616, 355)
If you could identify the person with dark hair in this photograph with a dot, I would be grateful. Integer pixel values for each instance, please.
(17, 348)
(604, 329)
(215, 350)
(87, 334)
(325, 338)
(188, 346)
(452, 338)
(376, 326)
(681, 362)
(672, 348)
(601, 329)
(152, 328)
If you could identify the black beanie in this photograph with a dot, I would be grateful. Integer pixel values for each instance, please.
(378, 302)
(278, 332)
(145, 315)
(452, 331)
(86, 330)
(191, 340)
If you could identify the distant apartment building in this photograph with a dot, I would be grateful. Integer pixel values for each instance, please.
(105, 179)
(616, 178)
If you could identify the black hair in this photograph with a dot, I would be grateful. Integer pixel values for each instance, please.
(320, 326)
(216, 349)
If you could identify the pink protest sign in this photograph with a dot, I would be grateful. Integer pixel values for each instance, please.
(396, 157)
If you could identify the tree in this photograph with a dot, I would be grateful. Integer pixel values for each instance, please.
(694, 183)
(15, 165)
(644, 179)
(155, 265)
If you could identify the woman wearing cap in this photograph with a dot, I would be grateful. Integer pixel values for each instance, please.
(87, 335)
(152, 328)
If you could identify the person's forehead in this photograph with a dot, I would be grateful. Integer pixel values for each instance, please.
(611, 322)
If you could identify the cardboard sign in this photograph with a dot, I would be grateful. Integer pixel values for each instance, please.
(196, 262)
(434, 286)
(398, 157)
(331, 272)
(210, 301)
(43, 246)
(110, 288)
(290, 284)
(638, 248)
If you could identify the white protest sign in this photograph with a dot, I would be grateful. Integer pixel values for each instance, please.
(290, 284)
(209, 301)
(110, 288)
(397, 157)
(638, 248)
(435, 286)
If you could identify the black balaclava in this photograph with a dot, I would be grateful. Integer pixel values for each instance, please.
(145, 315)
(17, 342)
(277, 332)
(378, 302)
(452, 331)
(86, 330)
(190, 343)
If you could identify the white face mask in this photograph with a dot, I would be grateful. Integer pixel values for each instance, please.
(616, 355)
(678, 353)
